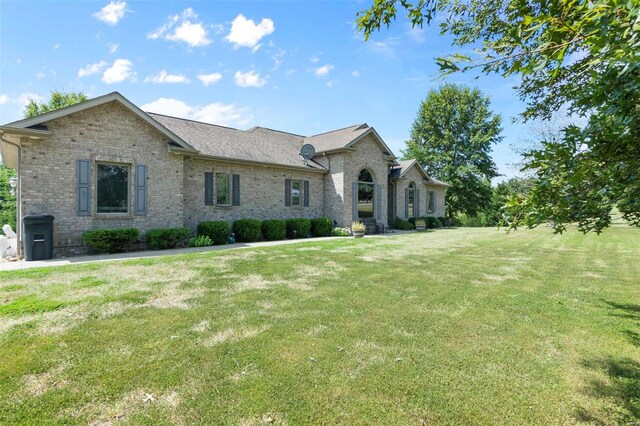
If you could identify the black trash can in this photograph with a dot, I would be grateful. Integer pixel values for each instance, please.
(38, 237)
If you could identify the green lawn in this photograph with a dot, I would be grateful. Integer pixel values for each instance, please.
(457, 326)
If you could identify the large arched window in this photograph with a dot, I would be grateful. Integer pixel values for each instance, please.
(365, 194)
(411, 200)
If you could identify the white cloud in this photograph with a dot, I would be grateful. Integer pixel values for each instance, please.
(314, 59)
(245, 33)
(215, 113)
(112, 13)
(91, 69)
(56, 46)
(3, 99)
(24, 98)
(323, 70)
(121, 70)
(185, 28)
(277, 59)
(40, 75)
(416, 33)
(249, 79)
(208, 79)
(113, 47)
(164, 77)
(355, 73)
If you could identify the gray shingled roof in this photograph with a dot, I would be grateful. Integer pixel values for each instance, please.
(337, 139)
(257, 144)
(404, 165)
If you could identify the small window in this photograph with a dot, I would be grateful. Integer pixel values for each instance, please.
(431, 201)
(112, 188)
(223, 189)
(296, 193)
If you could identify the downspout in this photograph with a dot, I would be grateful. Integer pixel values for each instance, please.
(18, 193)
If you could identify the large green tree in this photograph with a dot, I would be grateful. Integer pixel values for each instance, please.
(451, 138)
(56, 100)
(579, 54)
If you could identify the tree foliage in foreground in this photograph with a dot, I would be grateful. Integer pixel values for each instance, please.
(452, 137)
(583, 55)
(56, 100)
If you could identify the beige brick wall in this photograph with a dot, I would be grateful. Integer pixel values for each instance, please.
(413, 175)
(345, 167)
(106, 133)
(261, 193)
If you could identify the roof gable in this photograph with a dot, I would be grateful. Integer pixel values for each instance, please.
(404, 166)
(39, 120)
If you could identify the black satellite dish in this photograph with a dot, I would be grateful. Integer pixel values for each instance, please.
(307, 152)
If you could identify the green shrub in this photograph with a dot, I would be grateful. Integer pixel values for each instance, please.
(412, 221)
(167, 238)
(477, 221)
(218, 231)
(321, 227)
(273, 230)
(110, 240)
(443, 221)
(200, 241)
(247, 230)
(438, 223)
(402, 224)
(341, 232)
(431, 222)
(298, 228)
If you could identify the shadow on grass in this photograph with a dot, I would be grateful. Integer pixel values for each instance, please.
(621, 385)
(621, 390)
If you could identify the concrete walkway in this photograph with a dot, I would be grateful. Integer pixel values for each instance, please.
(23, 264)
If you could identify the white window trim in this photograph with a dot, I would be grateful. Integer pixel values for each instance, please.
(215, 189)
(300, 195)
(129, 167)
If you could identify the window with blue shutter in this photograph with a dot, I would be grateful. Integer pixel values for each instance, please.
(417, 214)
(208, 188)
(305, 193)
(84, 187)
(141, 189)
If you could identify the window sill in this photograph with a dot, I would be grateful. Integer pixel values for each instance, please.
(113, 216)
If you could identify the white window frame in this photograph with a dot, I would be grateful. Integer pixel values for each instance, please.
(300, 193)
(215, 189)
(128, 196)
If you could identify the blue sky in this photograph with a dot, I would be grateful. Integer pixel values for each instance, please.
(295, 66)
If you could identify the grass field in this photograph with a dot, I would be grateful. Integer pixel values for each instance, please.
(470, 326)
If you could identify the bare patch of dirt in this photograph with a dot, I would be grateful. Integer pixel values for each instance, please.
(38, 384)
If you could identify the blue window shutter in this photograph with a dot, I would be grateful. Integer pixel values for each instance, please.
(235, 190)
(141, 189)
(354, 201)
(417, 204)
(378, 204)
(287, 192)
(406, 203)
(208, 188)
(306, 193)
(84, 187)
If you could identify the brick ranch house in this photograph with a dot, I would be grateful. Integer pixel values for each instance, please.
(105, 163)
